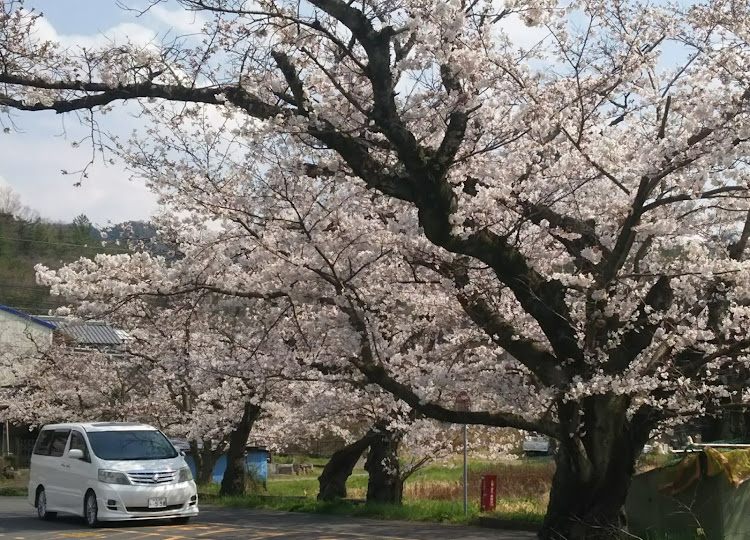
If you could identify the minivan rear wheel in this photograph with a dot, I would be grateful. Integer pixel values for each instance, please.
(91, 510)
(41, 506)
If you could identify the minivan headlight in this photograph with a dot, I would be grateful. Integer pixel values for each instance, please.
(113, 477)
(185, 475)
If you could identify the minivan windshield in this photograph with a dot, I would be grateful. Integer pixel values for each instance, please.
(131, 445)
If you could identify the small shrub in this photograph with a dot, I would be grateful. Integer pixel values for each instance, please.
(8, 461)
(254, 483)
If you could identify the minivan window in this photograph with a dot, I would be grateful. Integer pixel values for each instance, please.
(77, 442)
(131, 445)
(59, 441)
(42, 443)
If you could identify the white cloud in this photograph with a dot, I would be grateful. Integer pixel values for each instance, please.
(33, 164)
(34, 157)
(520, 34)
(181, 20)
(118, 34)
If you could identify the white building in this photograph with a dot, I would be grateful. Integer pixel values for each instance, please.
(22, 337)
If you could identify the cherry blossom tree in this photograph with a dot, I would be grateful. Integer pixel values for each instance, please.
(208, 368)
(369, 421)
(139, 292)
(53, 388)
(293, 252)
(208, 364)
(583, 200)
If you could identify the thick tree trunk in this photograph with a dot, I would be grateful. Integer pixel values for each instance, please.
(594, 470)
(205, 459)
(385, 484)
(233, 482)
(333, 479)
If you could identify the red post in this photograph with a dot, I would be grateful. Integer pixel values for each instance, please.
(489, 492)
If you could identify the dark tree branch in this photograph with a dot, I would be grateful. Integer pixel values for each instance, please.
(536, 213)
(106, 94)
(710, 194)
(379, 376)
(737, 249)
(646, 186)
(292, 79)
(531, 354)
(452, 140)
(640, 336)
(665, 115)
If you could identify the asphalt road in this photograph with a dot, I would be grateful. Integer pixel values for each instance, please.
(18, 521)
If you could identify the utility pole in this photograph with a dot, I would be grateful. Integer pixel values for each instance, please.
(463, 404)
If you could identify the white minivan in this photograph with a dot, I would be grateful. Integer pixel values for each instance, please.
(110, 471)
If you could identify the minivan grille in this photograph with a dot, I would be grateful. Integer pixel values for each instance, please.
(147, 509)
(152, 477)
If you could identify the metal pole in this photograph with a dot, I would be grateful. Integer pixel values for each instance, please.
(466, 483)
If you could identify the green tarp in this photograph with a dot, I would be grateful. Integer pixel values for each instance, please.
(704, 495)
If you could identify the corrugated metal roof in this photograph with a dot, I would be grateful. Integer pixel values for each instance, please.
(91, 333)
(86, 332)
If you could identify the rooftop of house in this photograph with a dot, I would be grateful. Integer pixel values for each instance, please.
(82, 332)
(86, 332)
(21, 314)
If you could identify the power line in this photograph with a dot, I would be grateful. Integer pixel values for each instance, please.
(62, 243)
(25, 287)
(35, 310)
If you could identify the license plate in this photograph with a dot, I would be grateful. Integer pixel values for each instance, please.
(157, 502)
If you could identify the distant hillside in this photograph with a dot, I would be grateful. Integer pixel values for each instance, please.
(125, 232)
(25, 243)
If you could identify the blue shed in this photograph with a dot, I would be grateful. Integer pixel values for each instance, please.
(256, 460)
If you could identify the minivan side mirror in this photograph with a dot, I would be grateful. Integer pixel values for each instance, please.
(75, 453)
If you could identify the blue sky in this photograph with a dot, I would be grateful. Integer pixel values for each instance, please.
(32, 158)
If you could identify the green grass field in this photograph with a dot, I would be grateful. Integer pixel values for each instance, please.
(434, 493)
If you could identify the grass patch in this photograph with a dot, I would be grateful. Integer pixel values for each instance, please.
(13, 491)
(297, 486)
(13, 487)
(519, 509)
(431, 511)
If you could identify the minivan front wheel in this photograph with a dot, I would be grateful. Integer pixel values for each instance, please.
(41, 506)
(91, 510)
